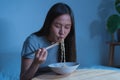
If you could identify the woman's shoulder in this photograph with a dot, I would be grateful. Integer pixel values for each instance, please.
(31, 37)
(34, 38)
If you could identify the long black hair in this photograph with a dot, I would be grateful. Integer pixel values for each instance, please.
(55, 11)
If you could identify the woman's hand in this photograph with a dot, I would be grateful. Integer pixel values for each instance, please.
(40, 55)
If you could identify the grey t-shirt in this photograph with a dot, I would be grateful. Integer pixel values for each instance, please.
(33, 43)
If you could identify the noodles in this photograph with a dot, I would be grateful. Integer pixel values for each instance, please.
(63, 53)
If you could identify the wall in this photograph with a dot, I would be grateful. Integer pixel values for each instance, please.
(19, 18)
(92, 33)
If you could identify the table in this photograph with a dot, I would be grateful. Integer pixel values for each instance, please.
(111, 51)
(82, 74)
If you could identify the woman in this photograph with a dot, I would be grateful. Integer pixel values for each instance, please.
(58, 25)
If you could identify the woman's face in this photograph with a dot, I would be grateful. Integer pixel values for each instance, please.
(60, 28)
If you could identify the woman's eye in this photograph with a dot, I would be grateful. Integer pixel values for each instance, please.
(67, 27)
(58, 26)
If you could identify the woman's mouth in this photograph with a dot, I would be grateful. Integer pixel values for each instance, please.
(60, 38)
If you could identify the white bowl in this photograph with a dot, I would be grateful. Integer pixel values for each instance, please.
(64, 68)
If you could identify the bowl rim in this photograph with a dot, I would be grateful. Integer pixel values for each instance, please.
(73, 64)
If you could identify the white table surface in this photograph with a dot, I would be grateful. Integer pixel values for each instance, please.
(82, 74)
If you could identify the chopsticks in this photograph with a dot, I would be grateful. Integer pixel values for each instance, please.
(55, 44)
(51, 46)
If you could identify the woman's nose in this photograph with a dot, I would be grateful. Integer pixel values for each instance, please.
(61, 31)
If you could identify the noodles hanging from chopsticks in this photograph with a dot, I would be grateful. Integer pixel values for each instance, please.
(63, 53)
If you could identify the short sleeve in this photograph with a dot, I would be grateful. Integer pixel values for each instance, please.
(29, 48)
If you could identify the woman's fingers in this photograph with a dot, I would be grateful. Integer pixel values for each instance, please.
(45, 54)
(41, 55)
(37, 53)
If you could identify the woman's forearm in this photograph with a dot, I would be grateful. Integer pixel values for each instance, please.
(27, 75)
(29, 67)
